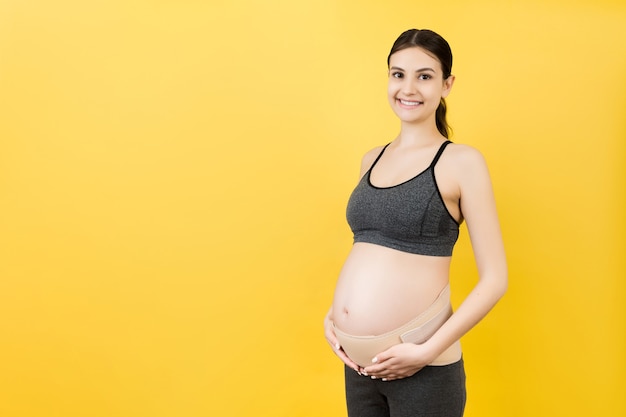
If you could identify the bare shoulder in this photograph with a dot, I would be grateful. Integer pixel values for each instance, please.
(371, 155)
(463, 162)
(464, 155)
(369, 158)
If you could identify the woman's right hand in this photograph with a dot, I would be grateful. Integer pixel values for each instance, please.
(334, 343)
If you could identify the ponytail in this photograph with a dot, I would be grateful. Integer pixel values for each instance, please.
(440, 117)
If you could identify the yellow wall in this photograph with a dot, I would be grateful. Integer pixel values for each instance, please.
(173, 177)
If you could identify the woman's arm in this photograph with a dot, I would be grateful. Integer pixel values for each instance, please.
(479, 210)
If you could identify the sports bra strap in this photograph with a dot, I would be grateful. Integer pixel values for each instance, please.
(378, 157)
(432, 164)
(439, 152)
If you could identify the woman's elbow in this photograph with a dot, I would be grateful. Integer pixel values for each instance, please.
(502, 284)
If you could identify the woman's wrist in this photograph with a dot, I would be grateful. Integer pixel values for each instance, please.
(428, 352)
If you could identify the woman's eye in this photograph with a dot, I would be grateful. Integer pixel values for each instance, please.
(424, 77)
(397, 75)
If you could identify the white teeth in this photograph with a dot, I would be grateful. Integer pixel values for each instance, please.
(410, 103)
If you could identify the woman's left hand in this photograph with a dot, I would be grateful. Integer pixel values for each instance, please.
(399, 361)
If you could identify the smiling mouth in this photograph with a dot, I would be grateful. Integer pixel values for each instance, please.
(410, 103)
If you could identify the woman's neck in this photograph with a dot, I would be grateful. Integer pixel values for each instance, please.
(418, 135)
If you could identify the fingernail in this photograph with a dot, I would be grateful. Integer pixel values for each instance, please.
(365, 373)
(337, 346)
(373, 377)
(384, 379)
(374, 359)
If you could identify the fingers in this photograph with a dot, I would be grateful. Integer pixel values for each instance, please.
(390, 365)
(336, 346)
(345, 359)
(330, 337)
(379, 362)
(342, 354)
(390, 374)
(333, 342)
(380, 370)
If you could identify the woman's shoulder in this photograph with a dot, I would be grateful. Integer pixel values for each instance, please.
(463, 155)
(466, 164)
(370, 156)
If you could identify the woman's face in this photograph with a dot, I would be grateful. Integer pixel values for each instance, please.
(416, 85)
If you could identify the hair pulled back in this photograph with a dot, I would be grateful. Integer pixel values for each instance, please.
(437, 46)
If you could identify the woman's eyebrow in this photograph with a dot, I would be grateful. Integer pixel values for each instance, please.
(418, 70)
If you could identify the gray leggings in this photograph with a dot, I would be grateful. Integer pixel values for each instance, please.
(434, 391)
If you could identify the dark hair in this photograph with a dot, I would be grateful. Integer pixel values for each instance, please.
(437, 46)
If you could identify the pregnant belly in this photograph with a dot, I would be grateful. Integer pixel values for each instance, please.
(380, 289)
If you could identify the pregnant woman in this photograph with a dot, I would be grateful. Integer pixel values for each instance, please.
(391, 322)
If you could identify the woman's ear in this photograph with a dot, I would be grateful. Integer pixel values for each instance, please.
(447, 85)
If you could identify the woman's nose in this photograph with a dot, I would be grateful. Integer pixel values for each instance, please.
(408, 87)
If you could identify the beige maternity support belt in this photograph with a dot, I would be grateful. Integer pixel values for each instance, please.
(361, 349)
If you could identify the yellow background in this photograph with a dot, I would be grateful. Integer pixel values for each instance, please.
(173, 180)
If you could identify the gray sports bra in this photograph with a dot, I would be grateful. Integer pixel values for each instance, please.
(410, 217)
